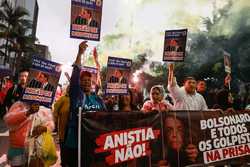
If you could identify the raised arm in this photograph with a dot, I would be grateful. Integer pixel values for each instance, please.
(97, 64)
(173, 87)
(74, 89)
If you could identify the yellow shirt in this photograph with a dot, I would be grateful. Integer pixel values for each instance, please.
(61, 114)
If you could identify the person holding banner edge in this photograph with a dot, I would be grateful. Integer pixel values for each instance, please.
(80, 96)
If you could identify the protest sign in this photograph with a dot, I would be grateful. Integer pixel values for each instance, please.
(86, 18)
(42, 81)
(227, 62)
(175, 45)
(117, 75)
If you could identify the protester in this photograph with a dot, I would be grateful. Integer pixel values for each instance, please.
(209, 96)
(126, 102)
(19, 121)
(15, 93)
(80, 96)
(6, 84)
(137, 95)
(186, 97)
(176, 148)
(61, 115)
(224, 98)
(110, 103)
(157, 101)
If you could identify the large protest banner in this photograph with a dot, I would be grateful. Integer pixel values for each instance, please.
(117, 78)
(117, 139)
(86, 18)
(175, 45)
(176, 139)
(42, 81)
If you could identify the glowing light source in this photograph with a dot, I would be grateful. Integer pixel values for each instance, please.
(136, 74)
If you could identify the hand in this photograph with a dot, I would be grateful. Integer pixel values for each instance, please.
(82, 47)
(192, 152)
(230, 110)
(34, 108)
(162, 163)
(227, 80)
(218, 110)
(38, 130)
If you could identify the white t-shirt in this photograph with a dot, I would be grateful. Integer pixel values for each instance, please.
(185, 101)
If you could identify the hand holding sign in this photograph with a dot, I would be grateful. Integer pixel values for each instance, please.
(38, 130)
(34, 108)
(82, 47)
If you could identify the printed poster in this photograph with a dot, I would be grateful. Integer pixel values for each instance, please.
(86, 16)
(175, 45)
(173, 138)
(42, 82)
(117, 75)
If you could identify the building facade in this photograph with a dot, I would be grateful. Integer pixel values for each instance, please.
(32, 7)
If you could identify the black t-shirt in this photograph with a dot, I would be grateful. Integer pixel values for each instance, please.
(14, 94)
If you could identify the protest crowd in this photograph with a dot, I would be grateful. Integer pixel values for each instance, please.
(38, 110)
(18, 115)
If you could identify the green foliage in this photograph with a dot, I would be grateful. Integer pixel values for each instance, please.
(227, 30)
(14, 28)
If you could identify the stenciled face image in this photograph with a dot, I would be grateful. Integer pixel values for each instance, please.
(174, 132)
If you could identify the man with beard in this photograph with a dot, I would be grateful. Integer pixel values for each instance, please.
(80, 95)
